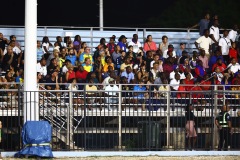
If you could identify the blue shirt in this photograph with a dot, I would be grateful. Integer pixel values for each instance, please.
(122, 46)
(129, 76)
(73, 59)
(140, 95)
(179, 53)
(213, 60)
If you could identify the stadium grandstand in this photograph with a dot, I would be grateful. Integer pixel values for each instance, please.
(125, 89)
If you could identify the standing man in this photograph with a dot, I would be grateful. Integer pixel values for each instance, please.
(233, 33)
(214, 35)
(224, 45)
(204, 42)
(224, 124)
(203, 24)
(135, 43)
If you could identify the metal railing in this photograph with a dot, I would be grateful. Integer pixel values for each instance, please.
(122, 119)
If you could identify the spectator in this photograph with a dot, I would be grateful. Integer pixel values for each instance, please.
(214, 35)
(150, 44)
(82, 49)
(188, 81)
(108, 63)
(224, 45)
(72, 56)
(70, 73)
(15, 50)
(182, 94)
(138, 96)
(194, 59)
(213, 59)
(10, 58)
(77, 43)
(131, 54)
(233, 53)
(39, 51)
(199, 71)
(142, 73)
(206, 83)
(203, 24)
(85, 55)
(163, 46)
(52, 66)
(155, 60)
(170, 49)
(125, 64)
(87, 65)
(233, 33)
(122, 43)
(180, 50)
(135, 43)
(204, 42)
(91, 94)
(81, 74)
(111, 45)
(45, 46)
(233, 67)
(106, 80)
(41, 67)
(148, 60)
(54, 55)
(176, 71)
(59, 42)
(3, 42)
(220, 65)
(168, 66)
(64, 68)
(183, 57)
(128, 73)
(52, 81)
(77, 102)
(102, 44)
(204, 59)
(154, 71)
(116, 54)
(111, 92)
(174, 84)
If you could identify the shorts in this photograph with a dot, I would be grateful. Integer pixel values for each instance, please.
(190, 130)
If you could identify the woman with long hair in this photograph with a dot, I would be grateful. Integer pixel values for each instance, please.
(191, 134)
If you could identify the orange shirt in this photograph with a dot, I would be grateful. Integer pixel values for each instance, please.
(181, 94)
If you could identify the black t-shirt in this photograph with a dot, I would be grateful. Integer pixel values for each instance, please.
(189, 116)
(148, 64)
(53, 86)
(6, 58)
(3, 44)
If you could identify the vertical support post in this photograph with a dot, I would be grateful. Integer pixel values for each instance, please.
(45, 31)
(31, 108)
(101, 15)
(144, 35)
(91, 35)
(68, 117)
(85, 123)
(120, 118)
(168, 116)
(215, 112)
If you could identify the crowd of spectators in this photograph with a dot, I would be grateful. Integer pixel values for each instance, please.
(129, 61)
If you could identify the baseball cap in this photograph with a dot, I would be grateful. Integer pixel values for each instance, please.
(170, 46)
(111, 80)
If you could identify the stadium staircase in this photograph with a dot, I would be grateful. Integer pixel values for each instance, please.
(58, 113)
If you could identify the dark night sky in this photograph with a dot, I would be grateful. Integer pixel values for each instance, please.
(123, 13)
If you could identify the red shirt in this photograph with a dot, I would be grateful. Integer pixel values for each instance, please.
(71, 74)
(205, 85)
(182, 94)
(81, 75)
(191, 84)
(221, 67)
(196, 94)
(232, 53)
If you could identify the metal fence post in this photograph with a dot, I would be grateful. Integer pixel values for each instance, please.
(120, 118)
(84, 120)
(144, 34)
(91, 34)
(168, 116)
(215, 110)
(68, 116)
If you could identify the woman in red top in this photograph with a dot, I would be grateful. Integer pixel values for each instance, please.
(233, 52)
(70, 73)
(182, 94)
(189, 81)
(206, 83)
(149, 44)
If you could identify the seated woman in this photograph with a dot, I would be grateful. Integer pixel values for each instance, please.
(77, 101)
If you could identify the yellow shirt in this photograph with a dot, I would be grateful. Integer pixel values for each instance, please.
(92, 88)
(105, 68)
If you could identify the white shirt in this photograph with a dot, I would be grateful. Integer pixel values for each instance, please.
(225, 45)
(136, 46)
(113, 88)
(175, 84)
(46, 45)
(15, 49)
(172, 75)
(64, 69)
(42, 69)
(204, 43)
(165, 55)
(234, 68)
(232, 35)
(215, 32)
